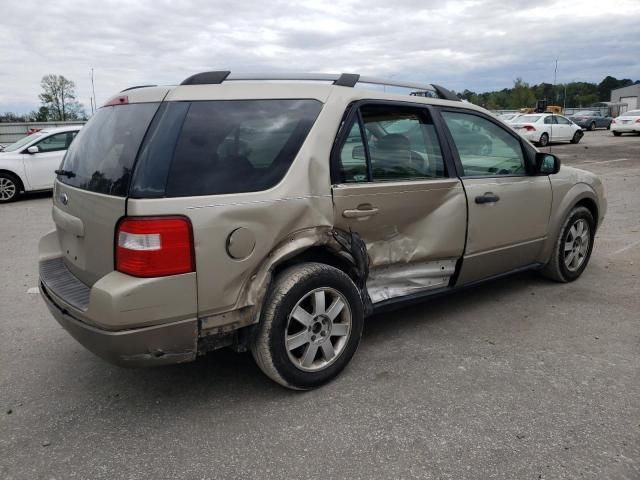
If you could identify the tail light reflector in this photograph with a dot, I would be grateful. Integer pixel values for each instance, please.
(154, 246)
(529, 128)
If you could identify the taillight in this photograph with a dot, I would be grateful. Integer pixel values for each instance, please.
(613, 121)
(529, 128)
(154, 246)
(117, 100)
(638, 120)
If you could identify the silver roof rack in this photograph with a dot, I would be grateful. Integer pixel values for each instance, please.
(342, 79)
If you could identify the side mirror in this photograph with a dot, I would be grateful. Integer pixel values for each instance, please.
(547, 163)
(33, 149)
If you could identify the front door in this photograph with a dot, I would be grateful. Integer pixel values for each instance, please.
(508, 208)
(393, 189)
(41, 166)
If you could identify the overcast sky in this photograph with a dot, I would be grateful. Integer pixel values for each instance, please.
(480, 45)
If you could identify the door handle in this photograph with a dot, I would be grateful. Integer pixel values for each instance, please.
(488, 197)
(361, 211)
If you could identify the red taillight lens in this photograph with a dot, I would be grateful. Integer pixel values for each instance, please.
(613, 121)
(529, 128)
(154, 246)
(638, 120)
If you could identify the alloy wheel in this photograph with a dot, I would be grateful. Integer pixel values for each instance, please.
(7, 189)
(576, 245)
(318, 329)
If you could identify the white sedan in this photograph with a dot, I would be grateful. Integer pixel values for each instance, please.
(628, 122)
(30, 163)
(543, 128)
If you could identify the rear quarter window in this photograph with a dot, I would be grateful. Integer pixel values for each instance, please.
(226, 146)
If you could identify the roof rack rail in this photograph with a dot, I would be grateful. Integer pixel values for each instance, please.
(342, 80)
(137, 86)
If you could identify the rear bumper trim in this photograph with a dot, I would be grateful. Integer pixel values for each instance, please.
(141, 347)
(62, 283)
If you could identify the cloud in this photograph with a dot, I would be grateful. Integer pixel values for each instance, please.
(479, 45)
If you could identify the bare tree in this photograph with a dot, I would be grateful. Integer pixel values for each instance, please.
(59, 97)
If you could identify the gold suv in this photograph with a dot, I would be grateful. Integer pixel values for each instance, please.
(273, 214)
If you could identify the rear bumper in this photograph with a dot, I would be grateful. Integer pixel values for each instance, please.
(164, 344)
(625, 128)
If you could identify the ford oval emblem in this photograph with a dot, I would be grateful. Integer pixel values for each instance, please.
(64, 198)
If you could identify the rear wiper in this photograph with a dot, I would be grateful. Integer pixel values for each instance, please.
(66, 173)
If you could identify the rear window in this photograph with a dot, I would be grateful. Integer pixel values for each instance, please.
(101, 157)
(223, 146)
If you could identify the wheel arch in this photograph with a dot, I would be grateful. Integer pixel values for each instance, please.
(21, 183)
(580, 194)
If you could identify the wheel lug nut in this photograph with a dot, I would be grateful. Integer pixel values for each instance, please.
(313, 337)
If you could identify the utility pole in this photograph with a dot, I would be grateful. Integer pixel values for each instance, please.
(93, 90)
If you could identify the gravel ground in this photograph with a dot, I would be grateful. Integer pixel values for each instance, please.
(517, 379)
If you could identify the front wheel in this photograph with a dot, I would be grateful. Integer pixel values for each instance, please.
(577, 136)
(592, 126)
(9, 188)
(573, 247)
(310, 326)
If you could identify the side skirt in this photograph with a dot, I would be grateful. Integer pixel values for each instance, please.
(399, 302)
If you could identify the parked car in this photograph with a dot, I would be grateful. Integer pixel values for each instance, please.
(544, 128)
(628, 122)
(274, 217)
(590, 119)
(30, 163)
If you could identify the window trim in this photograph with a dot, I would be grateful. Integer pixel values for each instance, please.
(353, 114)
(528, 152)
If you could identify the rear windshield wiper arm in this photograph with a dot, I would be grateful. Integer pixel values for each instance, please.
(66, 173)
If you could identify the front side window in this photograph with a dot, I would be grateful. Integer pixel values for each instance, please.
(401, 142)
(484, 148)
(54, 143)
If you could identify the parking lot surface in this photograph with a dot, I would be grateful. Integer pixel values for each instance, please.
(520, 378)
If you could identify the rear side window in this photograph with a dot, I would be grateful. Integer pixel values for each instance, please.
(101, 157)
(225, 146)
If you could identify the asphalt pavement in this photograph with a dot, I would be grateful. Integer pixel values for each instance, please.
(520, 379)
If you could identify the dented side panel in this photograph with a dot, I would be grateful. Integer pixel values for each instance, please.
(416, 223)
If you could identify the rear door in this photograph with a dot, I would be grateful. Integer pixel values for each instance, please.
(508, 208)
(90, 197)
(392, 187)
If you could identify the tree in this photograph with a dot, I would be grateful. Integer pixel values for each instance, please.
(59, 97)
(610, 83)
(40, 115)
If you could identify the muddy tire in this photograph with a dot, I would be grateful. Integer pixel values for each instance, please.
(310, 326)
(573, 247)
(10, 187)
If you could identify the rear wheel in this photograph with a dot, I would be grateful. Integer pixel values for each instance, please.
(577, 136)
(544, 140)
(310, 326)
(617, 134)
(573, 247)
(9, 187)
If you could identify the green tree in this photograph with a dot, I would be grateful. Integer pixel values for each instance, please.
(59, 97)
(610, 83)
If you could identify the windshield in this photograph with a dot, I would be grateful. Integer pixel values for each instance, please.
(631, 113)
(22, 142)
(528, 118)
(101, 157)
(584, 113)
